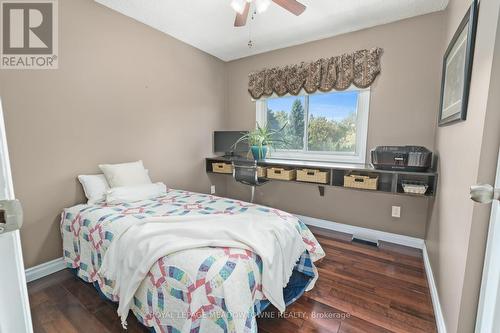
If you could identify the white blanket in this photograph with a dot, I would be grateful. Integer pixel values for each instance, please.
(141, 243)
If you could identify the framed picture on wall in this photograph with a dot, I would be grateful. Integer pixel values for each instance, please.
(457, 70)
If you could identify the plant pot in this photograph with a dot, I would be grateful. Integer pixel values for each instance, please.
(258, 152)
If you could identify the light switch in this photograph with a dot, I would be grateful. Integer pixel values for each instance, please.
(212, 189)
(396, 211)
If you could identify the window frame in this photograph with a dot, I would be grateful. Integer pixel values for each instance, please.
(363, 112)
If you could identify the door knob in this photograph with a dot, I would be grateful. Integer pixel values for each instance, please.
(484, 193)
(11, 215)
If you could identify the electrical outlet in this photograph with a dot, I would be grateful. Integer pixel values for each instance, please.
(212, 189)
(396, 211)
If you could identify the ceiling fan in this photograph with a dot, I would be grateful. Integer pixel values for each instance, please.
(242, 8)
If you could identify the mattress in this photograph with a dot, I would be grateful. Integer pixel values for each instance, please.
(198, 290)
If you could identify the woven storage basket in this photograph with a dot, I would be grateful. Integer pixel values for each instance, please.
(280, 173)
(313, 176)
(414, 187)
(367, 182)
(261, 172)
(222, 168)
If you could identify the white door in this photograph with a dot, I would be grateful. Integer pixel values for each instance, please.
(14, 306)
(488, 315)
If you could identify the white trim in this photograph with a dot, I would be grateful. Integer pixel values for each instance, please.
(261, 112)
(438, 312)
(15, 271)
(363, 113)
(8, 191)
(47, 268)
(489, 298)
(364, 233)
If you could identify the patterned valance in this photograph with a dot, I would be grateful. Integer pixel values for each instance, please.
(359, 68)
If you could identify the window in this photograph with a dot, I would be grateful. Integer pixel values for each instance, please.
(323, 126)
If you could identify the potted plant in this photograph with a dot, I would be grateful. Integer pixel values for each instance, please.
(261, 139)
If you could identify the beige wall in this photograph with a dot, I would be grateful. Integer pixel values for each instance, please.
(403, 110)
(123, 92)
(468, 152)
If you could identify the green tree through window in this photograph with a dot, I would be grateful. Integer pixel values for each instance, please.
(296, 129)
(331, 121)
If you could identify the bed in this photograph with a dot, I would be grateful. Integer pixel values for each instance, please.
(211, 289)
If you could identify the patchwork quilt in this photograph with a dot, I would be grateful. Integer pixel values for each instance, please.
(197, 290)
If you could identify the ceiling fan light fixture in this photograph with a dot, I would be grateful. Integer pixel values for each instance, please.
(262, 5)
(238, 6)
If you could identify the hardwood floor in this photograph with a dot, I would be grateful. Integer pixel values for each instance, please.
(360, 289)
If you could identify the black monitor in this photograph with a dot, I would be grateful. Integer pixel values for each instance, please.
(224, 143)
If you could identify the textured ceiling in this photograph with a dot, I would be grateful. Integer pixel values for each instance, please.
(208, 24)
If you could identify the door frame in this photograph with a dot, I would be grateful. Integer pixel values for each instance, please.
(489, 298)
(14, 264)
(5, 167)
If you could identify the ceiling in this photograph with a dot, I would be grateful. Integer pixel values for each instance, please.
(208, 24)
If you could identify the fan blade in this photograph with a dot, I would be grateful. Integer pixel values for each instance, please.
(292, 6)
(241, 19)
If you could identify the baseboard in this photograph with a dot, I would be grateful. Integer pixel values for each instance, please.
(438, 312)
(364, 233)
(47, 268)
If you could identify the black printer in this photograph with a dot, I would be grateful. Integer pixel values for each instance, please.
(407, 158)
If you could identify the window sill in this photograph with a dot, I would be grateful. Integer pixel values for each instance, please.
(350, 159)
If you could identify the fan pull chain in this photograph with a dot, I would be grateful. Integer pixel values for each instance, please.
(250, 41)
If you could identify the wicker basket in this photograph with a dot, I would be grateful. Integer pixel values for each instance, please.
(222, 167)
(261, 172)
(280, 173)
(367, 182)
(313, 176)
(414, 187)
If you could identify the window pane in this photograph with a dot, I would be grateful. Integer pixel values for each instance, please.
(287, 111)
(332, 122)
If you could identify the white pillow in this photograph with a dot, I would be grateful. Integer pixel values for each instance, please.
(125, 174)
(95, 187)
(127, 194)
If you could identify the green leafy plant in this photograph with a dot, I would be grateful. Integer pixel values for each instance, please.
(263, 136)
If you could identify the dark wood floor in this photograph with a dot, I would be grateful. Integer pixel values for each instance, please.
(360, 289)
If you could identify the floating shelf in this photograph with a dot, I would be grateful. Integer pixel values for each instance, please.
(389, 180)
